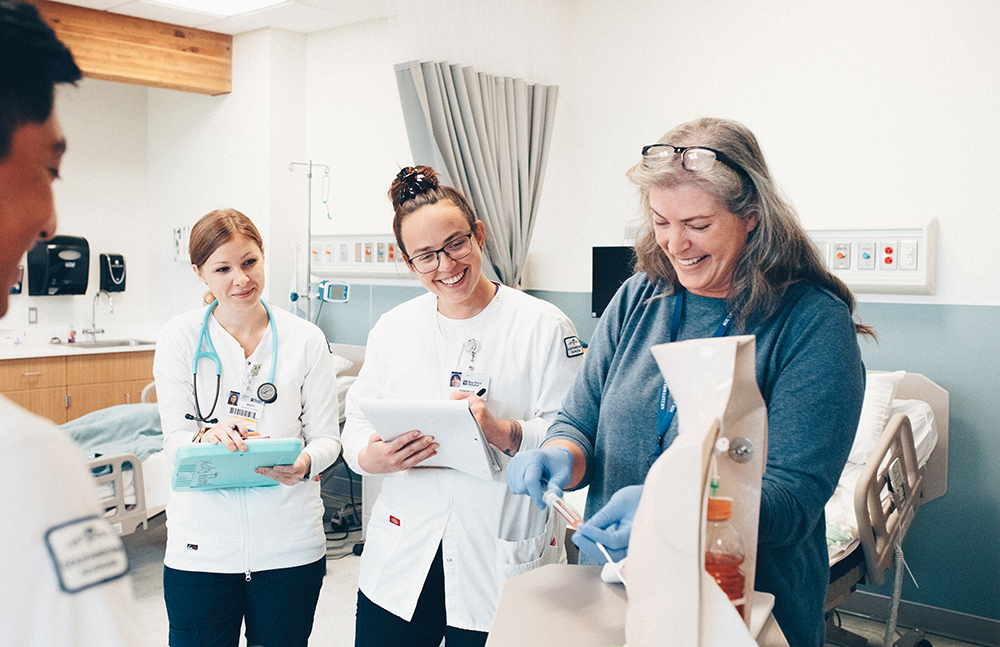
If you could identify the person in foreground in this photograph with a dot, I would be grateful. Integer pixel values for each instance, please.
(441, 543)
(720, 253)
(248, 554)
(65, 571)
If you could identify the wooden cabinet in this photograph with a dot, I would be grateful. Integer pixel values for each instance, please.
(67, 387)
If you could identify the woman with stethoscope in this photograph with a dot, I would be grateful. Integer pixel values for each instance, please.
(254, 555)
(440, 544)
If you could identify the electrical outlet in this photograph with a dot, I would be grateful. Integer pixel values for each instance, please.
(907, 254)
(887, 259)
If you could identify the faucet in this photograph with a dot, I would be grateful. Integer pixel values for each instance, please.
(93, 331)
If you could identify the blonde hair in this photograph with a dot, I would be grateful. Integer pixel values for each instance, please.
(215, 229)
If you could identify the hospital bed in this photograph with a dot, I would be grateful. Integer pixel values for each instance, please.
(899, 462)
(124, 445)
(132, 473)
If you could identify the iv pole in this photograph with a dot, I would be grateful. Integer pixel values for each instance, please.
(308, 295)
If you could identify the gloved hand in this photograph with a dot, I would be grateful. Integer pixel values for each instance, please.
(534, 471)
(610, 526)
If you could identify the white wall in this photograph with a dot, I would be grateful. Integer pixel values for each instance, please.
(870, 115)
(355, 127)
(233, 151)
(101, 196)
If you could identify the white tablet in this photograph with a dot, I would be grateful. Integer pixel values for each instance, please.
(461, 442)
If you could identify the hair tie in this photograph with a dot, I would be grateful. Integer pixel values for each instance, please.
(413, 183)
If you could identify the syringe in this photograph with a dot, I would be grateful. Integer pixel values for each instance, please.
(574, 521)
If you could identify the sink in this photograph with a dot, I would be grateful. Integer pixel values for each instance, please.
(111, 343)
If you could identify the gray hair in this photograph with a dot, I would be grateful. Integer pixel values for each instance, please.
(778, 251)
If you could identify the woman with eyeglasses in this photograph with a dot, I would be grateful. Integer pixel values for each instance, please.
(720, 252)
(440, 543)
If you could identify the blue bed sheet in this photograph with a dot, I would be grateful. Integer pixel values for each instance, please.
(126, 428)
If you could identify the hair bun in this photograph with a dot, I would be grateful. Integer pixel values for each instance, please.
(411, 182)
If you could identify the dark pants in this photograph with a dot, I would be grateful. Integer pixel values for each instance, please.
(207, 609)
(376, 627)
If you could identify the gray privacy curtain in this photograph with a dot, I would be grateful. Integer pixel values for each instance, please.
(488, 136)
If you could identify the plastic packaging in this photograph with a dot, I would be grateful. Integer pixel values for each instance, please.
(724, 552)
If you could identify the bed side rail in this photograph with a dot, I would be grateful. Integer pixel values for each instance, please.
(109, 475)
(885, 502)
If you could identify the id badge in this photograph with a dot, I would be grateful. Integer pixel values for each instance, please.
(469, 382)
(245, 407)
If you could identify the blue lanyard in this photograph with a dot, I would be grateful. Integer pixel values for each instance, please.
(665, 415)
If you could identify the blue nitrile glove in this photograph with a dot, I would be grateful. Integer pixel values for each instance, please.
(610, 526)
(532, 472)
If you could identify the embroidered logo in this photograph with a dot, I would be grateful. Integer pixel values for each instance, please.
(393, 520)
(573, 346)
(192, 546)
(86, 552)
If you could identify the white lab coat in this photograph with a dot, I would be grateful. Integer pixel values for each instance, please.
(249, 529)
(50, 546)
(530, 351)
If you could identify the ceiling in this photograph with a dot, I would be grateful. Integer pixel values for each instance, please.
(303, 16)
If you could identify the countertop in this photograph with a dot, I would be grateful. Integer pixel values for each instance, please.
(32, 350)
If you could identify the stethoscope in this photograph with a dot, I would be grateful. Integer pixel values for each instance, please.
(266, 392)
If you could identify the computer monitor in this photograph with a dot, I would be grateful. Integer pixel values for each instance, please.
(611, 267)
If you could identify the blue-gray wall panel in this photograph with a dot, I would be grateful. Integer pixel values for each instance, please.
(952, 546)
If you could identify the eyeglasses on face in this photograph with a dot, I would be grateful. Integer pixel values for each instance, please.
(693, 158)
(456, 250)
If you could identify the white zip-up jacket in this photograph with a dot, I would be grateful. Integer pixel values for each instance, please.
(531, 353)
(249, 529)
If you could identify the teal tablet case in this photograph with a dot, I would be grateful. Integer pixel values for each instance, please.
(202, 466)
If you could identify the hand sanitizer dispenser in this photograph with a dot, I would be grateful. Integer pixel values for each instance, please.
(59, 266)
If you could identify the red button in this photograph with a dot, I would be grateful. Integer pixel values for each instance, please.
(888, 260)
(888, 250)
(840, 254)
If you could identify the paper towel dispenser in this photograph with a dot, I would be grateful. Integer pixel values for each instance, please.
(59, 266)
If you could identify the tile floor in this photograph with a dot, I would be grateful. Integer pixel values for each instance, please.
(334, 624)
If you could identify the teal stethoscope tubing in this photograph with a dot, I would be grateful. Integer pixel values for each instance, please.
(205, 339)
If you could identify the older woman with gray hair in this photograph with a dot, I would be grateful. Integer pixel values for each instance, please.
(720, 252)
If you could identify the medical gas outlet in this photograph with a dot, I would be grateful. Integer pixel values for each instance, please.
(885, 261)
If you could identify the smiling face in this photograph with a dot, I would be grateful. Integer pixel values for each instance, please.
(462, 289)
(27, 209)
(235, 274)
(702, 240)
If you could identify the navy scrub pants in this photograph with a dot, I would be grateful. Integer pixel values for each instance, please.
(376, 627)
(208, 609)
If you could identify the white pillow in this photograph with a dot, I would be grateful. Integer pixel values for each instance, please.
(344, 383)
(340, 364)
(880, 389)
(921, 417)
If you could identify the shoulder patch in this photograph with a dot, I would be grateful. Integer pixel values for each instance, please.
(85, 553)
(573, 346)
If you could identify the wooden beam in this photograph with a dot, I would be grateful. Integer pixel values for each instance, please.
(120, 48)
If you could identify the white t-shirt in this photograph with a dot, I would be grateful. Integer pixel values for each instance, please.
(64, 568)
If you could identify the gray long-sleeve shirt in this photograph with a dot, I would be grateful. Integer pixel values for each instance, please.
(810, 375)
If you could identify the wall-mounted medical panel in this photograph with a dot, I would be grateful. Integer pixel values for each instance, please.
(374, 256)
(882, 261)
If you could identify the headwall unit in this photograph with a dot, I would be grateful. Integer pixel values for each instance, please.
(882, 261)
